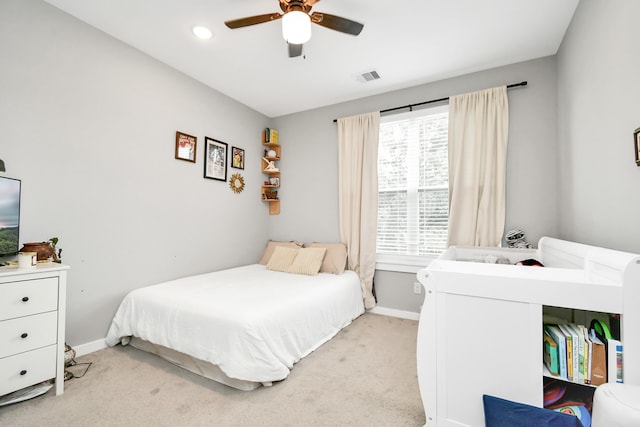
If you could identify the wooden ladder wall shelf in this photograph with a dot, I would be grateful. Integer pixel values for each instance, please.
(271, 169)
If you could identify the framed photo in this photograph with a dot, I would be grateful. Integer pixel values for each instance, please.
(186, 147)
(636, 143)
(215, 159)
(237, 158)
(275, 181)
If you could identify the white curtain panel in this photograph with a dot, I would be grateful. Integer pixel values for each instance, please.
(358, 195)
(478, 136)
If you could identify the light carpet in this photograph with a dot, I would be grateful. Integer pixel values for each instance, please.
(365, 376)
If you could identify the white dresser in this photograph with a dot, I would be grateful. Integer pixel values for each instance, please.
(32, 326)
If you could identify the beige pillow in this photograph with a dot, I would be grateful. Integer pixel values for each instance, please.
(335, 261)
(282, 258)
(307, 261)
(268, 251)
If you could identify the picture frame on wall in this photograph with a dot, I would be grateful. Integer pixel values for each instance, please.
(636, 143)
(215, 159)
(237, 158)
(186, 147)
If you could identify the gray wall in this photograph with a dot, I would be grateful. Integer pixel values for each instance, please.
(309, 166)
(88, 124)
(599, 108)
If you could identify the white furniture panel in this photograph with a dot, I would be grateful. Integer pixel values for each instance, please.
(25, 297)
(25, 369)
(28, 333)
(486, 352)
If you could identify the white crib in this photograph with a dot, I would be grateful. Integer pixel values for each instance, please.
(480, 329)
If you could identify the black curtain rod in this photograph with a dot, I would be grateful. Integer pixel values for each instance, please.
(410, 106)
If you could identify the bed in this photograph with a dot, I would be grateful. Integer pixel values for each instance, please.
(245, 326)
(480, 328)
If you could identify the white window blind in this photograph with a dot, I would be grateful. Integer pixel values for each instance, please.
(413, 183)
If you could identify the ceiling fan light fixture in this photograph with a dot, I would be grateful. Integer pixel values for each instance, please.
(296, 27)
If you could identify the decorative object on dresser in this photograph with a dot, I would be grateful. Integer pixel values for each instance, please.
(27, 260)
(44, 250)
(215, 159)
(32, 326)
(271, 140)
(186, 147)
(57, 253)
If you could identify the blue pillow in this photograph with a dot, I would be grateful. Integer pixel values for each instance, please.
(505, 413)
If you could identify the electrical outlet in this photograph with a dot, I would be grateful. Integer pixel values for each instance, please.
(417, 288)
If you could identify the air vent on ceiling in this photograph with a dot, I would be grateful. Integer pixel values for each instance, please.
(369, 76)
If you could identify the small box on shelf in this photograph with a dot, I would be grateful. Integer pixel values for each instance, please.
(272, 153)
(269, 166)
(269, 194)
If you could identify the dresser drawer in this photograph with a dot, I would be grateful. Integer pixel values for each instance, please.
(25, 369)
(23, 298)
(28, 333)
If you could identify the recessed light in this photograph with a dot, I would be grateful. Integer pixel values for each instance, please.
(202, 32)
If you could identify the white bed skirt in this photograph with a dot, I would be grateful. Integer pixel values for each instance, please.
(197, 366)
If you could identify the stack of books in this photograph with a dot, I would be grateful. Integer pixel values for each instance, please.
(270, 136)
(582, 355)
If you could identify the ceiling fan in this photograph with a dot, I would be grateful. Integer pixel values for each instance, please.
(296, 23)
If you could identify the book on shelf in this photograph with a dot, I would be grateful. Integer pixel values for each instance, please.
(614, 360)
(580, 341)
(572, 354)
(270, 136)
(556, 334)
(550, 354)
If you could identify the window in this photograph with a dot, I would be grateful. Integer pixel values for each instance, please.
(413, 187)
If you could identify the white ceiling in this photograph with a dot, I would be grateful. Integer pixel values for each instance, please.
(407, 42)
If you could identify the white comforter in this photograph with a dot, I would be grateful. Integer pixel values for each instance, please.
(252, 322)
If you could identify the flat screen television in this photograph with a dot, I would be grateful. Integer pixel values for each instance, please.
(9, 218)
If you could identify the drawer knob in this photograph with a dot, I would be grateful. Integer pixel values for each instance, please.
(24, 335)
(25, 299)
(23, 372)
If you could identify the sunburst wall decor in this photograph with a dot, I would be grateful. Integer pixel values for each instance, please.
(236, 183)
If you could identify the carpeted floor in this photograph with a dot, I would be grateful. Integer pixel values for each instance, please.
(365, 376)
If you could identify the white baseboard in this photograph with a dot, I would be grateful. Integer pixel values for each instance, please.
(89, 347)
(392, 312)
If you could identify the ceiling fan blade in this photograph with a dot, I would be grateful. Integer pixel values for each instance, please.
(252, 20)
(337, 23)
(311, 2)
(294, 50)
